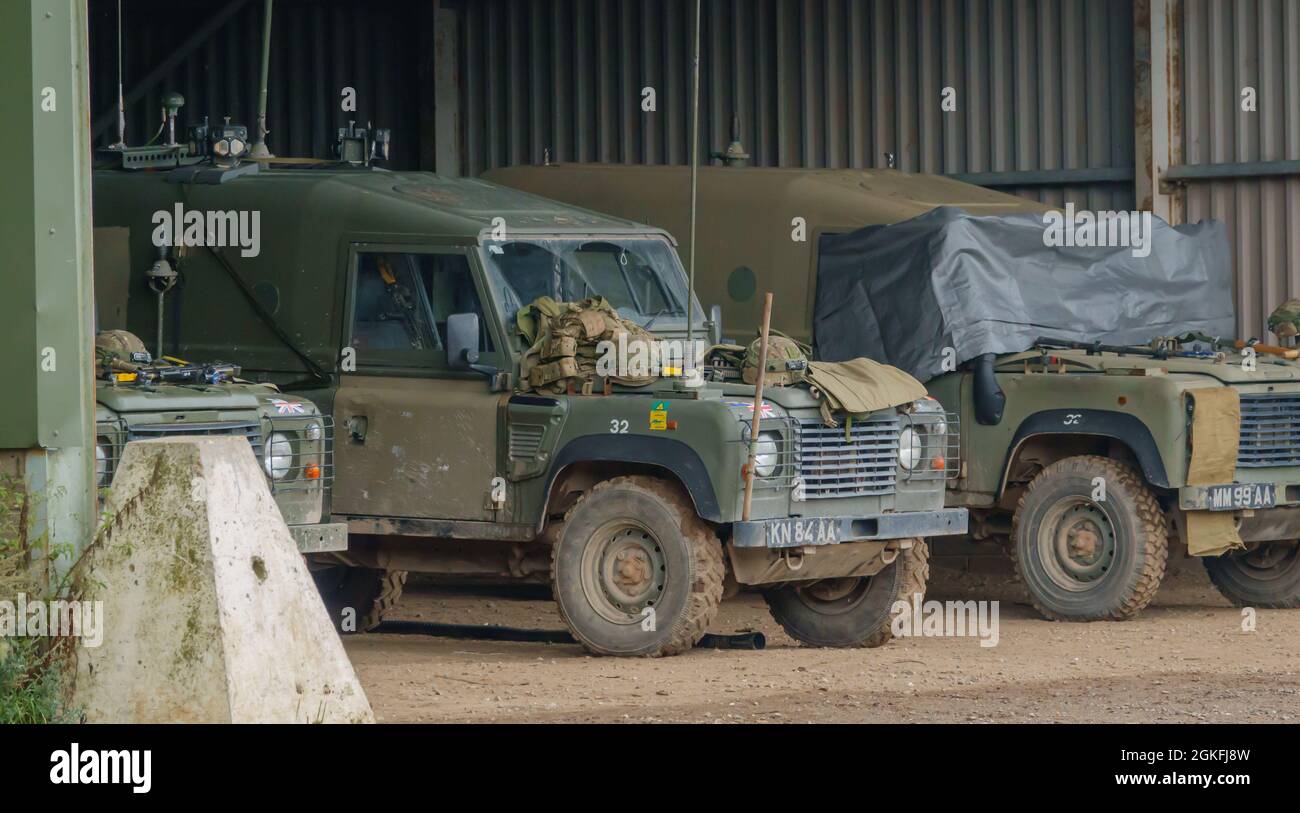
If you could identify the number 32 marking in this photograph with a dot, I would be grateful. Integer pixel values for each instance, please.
(1073, 420)
(618, 427)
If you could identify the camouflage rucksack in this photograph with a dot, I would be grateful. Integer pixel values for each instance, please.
(787, 361)
(564, 338)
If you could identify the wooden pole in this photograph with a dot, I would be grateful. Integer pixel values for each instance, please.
(758, 407)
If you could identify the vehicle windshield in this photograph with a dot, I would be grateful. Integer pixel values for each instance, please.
(640, 277)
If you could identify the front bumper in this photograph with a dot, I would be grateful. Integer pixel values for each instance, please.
(797, 532)
(328, 536)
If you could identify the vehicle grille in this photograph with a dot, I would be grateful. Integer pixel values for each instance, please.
(832, 465)
(251, 430)
(525, 440)
(1270, 431)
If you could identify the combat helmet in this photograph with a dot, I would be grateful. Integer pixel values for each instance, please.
(1285, 320)
(787, 361)
(119, 351)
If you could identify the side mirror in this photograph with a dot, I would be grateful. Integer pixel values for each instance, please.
(462, 340)
(463, 331)
(715, 324)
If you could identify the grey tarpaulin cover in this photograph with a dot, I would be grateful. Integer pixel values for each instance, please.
(902, 293)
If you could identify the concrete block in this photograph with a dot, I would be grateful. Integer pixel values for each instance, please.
(210, 612)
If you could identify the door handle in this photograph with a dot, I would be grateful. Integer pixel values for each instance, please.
(357, 426)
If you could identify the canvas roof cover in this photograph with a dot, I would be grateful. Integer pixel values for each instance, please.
(903, 293)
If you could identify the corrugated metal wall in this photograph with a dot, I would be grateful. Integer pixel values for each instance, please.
(319, 49)
(1227, 47)
(1041, 84)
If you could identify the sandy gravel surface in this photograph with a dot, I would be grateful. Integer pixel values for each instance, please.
(1186, 659)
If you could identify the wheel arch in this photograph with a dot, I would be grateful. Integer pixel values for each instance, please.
(1092, 425)
(671, 459)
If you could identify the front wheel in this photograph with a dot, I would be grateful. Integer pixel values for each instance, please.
(851, 612)
(1089, 541)
(1267, 576)
(635, 571)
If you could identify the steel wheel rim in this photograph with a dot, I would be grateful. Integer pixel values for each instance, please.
(1268, 562)
(623, 571)
(1076, 544)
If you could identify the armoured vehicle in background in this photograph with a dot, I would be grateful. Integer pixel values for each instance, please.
(400, 294)
(1040, 429)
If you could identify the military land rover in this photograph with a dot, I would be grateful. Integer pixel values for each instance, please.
(402, 295)
(138, 397)
(1041, 429)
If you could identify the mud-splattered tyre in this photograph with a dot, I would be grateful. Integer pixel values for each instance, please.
(357, 598)
(852, 612)
(1267, 576)
(1089, 560)
(635, 571)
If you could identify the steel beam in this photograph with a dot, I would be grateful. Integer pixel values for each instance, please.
(1248, 169)
(46, 413)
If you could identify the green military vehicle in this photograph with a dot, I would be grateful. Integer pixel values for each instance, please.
(1040, 429)
(401, 294)
(289, 437)
(138, 397)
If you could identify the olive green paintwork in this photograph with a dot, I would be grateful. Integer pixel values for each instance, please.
(744, 221)
(746, 233)
(46, 412)
(122, 407)
(1151, 391)
(426, 444)
(308, 221)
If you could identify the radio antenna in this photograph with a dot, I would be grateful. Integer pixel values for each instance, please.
(695, 179)
(121, 103)
(260, 149)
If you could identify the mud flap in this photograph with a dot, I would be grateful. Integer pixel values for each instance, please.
(767, 566)
(1216, 427)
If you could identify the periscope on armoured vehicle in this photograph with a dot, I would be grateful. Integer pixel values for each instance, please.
(453, 330)
(1194, 435)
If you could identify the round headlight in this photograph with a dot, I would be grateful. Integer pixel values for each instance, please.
(221, 147)
(277, 456)
(101, 465)
(312, 432)
(767, 454)
(909, 448)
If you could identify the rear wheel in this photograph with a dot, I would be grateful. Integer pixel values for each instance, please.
(851, 612)
(635, 571)
(1267, 576)
(357, 598)
(1085, 559)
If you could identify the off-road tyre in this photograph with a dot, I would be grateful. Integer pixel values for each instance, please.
(1267, 577)
(665, 533)
(864, 615)
(369, 592)
(1125, 580)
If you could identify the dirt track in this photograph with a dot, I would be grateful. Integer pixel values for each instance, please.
(1185, 659)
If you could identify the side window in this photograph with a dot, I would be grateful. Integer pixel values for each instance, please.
(401, 302)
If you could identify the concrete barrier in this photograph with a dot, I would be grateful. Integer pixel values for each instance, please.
(210, 614)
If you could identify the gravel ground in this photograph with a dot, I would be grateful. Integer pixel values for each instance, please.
(1185, 659)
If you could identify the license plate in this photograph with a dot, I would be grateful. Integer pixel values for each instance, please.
(1236, 497)
(792, 533)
